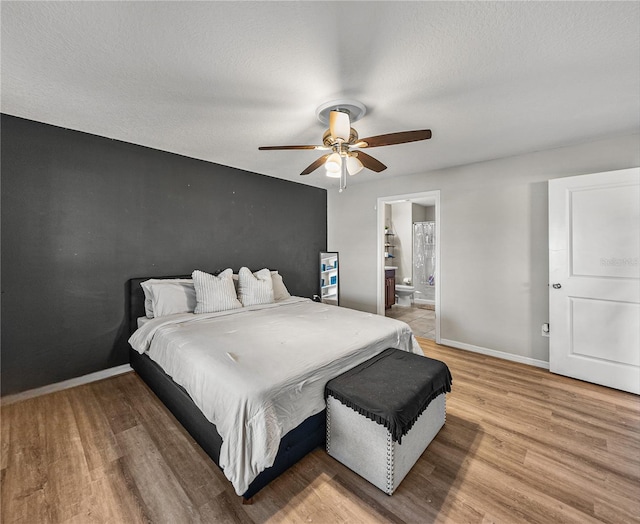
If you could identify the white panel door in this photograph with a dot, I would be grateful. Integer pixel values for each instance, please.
(594, 289)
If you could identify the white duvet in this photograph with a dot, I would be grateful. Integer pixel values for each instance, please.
(258, 372)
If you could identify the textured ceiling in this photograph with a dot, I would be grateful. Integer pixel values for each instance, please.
(215, 80)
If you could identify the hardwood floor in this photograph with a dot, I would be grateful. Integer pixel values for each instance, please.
(519, 445)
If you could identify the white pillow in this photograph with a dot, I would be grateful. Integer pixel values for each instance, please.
(168, 296)
(214, 293)
(255, 288)
(280, 291)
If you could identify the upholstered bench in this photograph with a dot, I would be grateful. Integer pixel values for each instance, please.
(382, 414)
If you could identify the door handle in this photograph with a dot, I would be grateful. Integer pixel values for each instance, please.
(556, 286)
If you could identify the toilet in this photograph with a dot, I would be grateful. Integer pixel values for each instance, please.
(405, 295)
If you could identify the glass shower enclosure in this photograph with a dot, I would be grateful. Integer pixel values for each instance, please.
(424, 262)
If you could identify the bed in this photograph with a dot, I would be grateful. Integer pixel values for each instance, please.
(289, 420)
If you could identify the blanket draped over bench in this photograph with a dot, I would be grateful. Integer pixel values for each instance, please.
(393, 388)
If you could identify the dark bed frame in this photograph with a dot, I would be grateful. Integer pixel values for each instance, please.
(309, 435)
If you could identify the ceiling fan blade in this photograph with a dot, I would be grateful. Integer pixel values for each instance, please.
(371, 163)
(394, 138)
(315, 165)
(274, 148)
(339, 125)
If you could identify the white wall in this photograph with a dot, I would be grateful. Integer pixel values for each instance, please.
(429, 214)
(494, 241)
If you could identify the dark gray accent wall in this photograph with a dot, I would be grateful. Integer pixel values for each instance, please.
(81, 214)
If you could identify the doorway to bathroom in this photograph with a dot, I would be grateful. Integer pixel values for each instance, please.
(409, 247)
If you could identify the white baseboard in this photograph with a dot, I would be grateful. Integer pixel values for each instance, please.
(66, 384)
(494, 353)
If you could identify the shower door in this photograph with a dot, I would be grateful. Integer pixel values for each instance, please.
(424, 262)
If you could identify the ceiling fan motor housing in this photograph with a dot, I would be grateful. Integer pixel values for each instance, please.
(328, 141)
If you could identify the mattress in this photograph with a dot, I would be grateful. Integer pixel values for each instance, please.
(258, 372)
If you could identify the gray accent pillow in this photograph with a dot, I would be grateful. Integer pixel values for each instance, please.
(280, 291)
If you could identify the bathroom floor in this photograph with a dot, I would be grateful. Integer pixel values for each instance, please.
(421, 319)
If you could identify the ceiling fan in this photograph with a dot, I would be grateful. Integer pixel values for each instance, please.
(345, 145)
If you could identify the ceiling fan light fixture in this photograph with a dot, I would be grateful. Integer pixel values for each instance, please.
(333, 163)
(339, 125)
(354, 166)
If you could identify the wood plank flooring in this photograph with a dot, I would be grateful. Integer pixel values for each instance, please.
(519, 445)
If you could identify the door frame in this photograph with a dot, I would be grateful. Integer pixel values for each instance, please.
(434, 197)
